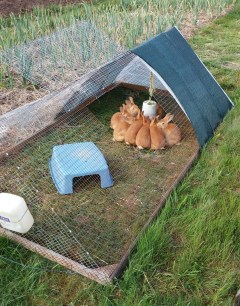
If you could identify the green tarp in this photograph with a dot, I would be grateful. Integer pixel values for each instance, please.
(199, 94)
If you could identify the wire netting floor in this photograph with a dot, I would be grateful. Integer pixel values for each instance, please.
(93, 226)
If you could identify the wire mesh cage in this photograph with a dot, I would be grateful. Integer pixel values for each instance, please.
(91, 229)
(58, 59)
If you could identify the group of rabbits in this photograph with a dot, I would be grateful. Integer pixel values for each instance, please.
(130, 125)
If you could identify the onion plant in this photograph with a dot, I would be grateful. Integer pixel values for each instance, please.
(127, 23)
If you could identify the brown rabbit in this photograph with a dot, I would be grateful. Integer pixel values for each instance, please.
(122, 125)
(120, 130)
(131, 107)
(143, 139)
(116, 118)
(131, 134)
(160, 111)
(171, 130)
(157, 136)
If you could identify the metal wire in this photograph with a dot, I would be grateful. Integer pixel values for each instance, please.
(92, 227)
(56, 60)
(69, 272)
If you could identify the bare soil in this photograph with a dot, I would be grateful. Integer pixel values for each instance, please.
(20, 6)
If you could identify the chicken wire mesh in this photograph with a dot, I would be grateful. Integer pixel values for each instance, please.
(91, 229)
(54, 61)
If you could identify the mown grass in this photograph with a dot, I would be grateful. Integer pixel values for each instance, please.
(190, 255)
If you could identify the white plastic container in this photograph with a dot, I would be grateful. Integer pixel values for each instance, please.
(14, 213)
(149, 108)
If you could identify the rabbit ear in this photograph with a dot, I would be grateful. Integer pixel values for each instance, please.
(168, 117)
(139, 114)
(131, 100)
(121, 109)
(163, 122)
(152, 121)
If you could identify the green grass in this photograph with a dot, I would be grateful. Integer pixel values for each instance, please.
(190, 255)
(126, 23)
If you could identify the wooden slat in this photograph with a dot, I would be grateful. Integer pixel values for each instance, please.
(124, 261)
(100, 275)
(9, 152)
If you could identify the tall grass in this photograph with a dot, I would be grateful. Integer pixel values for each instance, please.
(128, 22)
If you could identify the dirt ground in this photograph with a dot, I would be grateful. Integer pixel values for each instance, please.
(21, 6)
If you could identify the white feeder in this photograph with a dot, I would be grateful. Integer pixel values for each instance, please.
(14, 213)
(149, 108)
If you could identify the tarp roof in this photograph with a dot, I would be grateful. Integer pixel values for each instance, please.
(200, 95)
